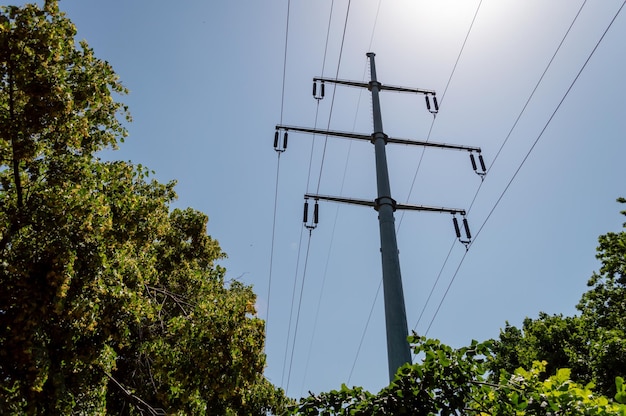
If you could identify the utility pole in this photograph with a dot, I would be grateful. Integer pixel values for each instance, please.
(398, 350)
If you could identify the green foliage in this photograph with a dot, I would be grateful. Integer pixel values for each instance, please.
(110, 301)
(529, 393)
(445, 381)
(603, 308)
(557, 340)
(451, 381)
(593, 344)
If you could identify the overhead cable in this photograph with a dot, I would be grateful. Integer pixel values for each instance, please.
(282, 102)
(332, 102)
(502, 146)
(432, 123)
(306, 367)
(526, 157)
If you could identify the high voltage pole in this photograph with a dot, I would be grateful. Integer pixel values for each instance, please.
(398, 350)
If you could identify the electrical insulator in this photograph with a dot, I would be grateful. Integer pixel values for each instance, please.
(473, 159)
(427, 102)
(456, 227)
(467, 230)
(314, 89)
(316, 213)
(323, 90)
(306, 212)
(276, 139)
(435, 102)
(285, 140)
(482, 162)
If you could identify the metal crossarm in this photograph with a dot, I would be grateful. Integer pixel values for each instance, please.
(381, 87)
(369, 203)
(358, 136)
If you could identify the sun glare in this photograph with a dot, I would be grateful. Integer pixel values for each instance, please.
(421, 27)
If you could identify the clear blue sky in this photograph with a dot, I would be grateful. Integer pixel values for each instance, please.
(205, 82)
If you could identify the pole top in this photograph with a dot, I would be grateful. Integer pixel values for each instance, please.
(370, 54)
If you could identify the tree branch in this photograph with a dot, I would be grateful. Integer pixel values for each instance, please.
(136, 401)
(177, 300)
(13, 138)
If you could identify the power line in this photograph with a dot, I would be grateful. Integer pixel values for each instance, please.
(332, 235)
(322, 162)
(269, 285)
(443, 96)
(295, 334)
(369, 317)
(558, 48)
(367, 323)
(306, 367)
(432, 124)
(526, 157)
(432, 289)
(293, 297)
(332, 102)
(500, 150)
(317, 108)
(282, 94)
(282, 102)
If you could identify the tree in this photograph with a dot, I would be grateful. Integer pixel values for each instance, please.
(559, 341)
(603, 308)
(110, 301)
(445, 381)
(451, 381)
(593, 344)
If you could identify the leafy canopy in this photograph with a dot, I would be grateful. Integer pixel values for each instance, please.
(591, 344)
(111, 302)
(451, 381)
